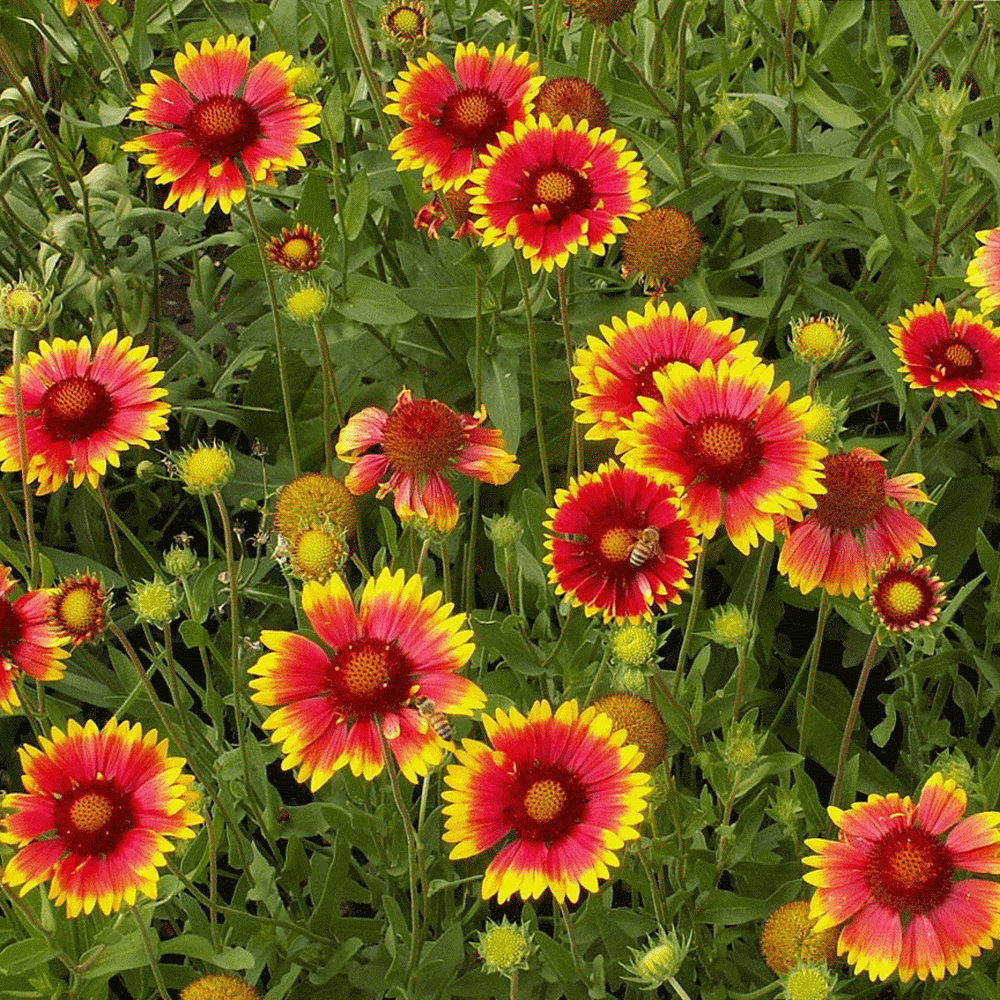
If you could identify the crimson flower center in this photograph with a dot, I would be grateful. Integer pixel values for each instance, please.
(75, 408)
(645, 384)
(956, 359)
(222, 127)
(93, 818)
(556, 192)
(10, 630)
(726, 450)
(910, 871)
(616, 544)
(422, 436)
(368, 677)
(545, 802)
(855, 493)
(473, 116)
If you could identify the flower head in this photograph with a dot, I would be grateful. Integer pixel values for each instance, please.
(735, 448)
(663, 246)
(906, 597)
(306, 303)
(332, 701)
(217, 986)
(984, 270)
(431, 216)
(641, 720)
(949, 356)
(569, 95)
(317, 553)
(29, 642)
(69, 6)
(81, 409)
(180, 561)
(633, 645)
(505, 947)
(789, 937)
(79, 608)
(659, 961)
(220, 122)
(730, 626)
(205, 469)
(857, 525)
(451, 119)
(551, 189)
(618, 543)
(562, 785)
(24, 304)
(825, 420)
(603, 12)
(808, 981)
(297, 251)
(616, 372)
(154, 602)
(405, 23)
(417, 441)
(817, 340)
(99, 810)
(898, 887)
(314, 500)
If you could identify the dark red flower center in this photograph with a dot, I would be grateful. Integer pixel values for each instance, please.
(643, 381)
(544, 803)
(422, 436)
(472, 117)
(93, 818)
(855, 493)
(556, 192)
(10, 629)
(909, 871)
(726, 450)
(368, 677)
(903, 599)
(956, 359)
(75, 408)
(222, 127)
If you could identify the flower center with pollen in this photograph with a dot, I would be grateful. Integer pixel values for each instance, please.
(222, 127)
(903, 598)
(422, 436)
(10, 630)
(855, 493)
(93, 818)
(555, 193)
(545, 803)
(367, 677)
(75, 408)
(79, 610)
(726, 450)
(544, 800)
(616, 544)
(956, 359)
(298, 250)
(405, 23)
(473, 116)
(910, 871)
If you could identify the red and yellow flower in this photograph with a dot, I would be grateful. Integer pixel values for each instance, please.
(614, 373)
(219, 121)
(98, 813)
(551, 189)
(733, 447)
(451, 119)
(858, 524)
(607, 563)
(983, 271)
(898, 886)
(297, 250)
(82, 408)
(336, 700)
(949, 356)
(906, 597)
(563, 787)
(29, 642)
(69, 6)
(418, 440)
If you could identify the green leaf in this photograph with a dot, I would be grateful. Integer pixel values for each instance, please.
(501, 393)
(960, 511)
(355, 208)
(24, 955)
(781, 168)
(315, 209)
(368, 300)
(246, 262)
(195, 946)
(446, 302)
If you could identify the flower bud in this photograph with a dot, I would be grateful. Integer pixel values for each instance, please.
(24, 305)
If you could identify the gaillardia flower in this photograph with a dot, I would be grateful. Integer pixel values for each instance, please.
(314, 500)
(641, 719)
(297, 251)
(949, 356)
(551, 189)
(563, 786)
(69, 6)
(451, 119)
(217, 986)
(789, 937)
(897, 884)
(569, 95)
(405, 23)
(984, 270)
(417, 441)
(817, 340)
(29, 642)
(78, 608)
(81, 409)
(219, 119)
(732, 446)
(663, 246)
(613, 373)
(906, 597)
(602, 12)
(98, 813)
(335, 699)
(858, 524)
(628, 545)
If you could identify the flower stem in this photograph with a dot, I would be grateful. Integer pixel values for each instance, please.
(329, 389)
(824, 611)
(938, 218)
(22, 444)
(279, 340)
(699, 569)
(916, 435)
(102, 36)
(793, 108)
(575, 432)
(572, 940)
(152, 957)
(741, 671)
(535, 390)
(852, 717)
(679, 989)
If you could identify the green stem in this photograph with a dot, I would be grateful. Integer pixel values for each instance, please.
(678, 113)
(821, 617)
(741, 671)
(938, 217)
(598, 677)
(152, 957)
(572, 940)
(916, 435)
(852, 718)
(793, 109)
(361, 54)
(116, 524)
(329, 389)
(536, 16)
(657, 681)
(102, 36)
(678, 988)
(575, 431)
(22, 443)
(699, 569)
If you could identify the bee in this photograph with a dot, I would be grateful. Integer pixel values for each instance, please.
(438, 721)
(647, 545)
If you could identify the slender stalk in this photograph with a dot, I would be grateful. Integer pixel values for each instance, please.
(938, 216)
(361, 54)
(446, 571)
(28, 915)
(572, 940)
(793, 108)
(575, 431)
(821, 617)
(536, 15)
(916, 435)
(678, 988)
(699, 569)
(678, 113)
(640, 76)
(151, 956)
(22, 444)
(654, 889)
(741, 672)
(329, 389)
(852, 718)
(657, 681)
(116, 524)
(514, 984)
(102, 36)
(535, 390)
(15, 519)
(598, 677)
(279, 340)
(175, 691)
